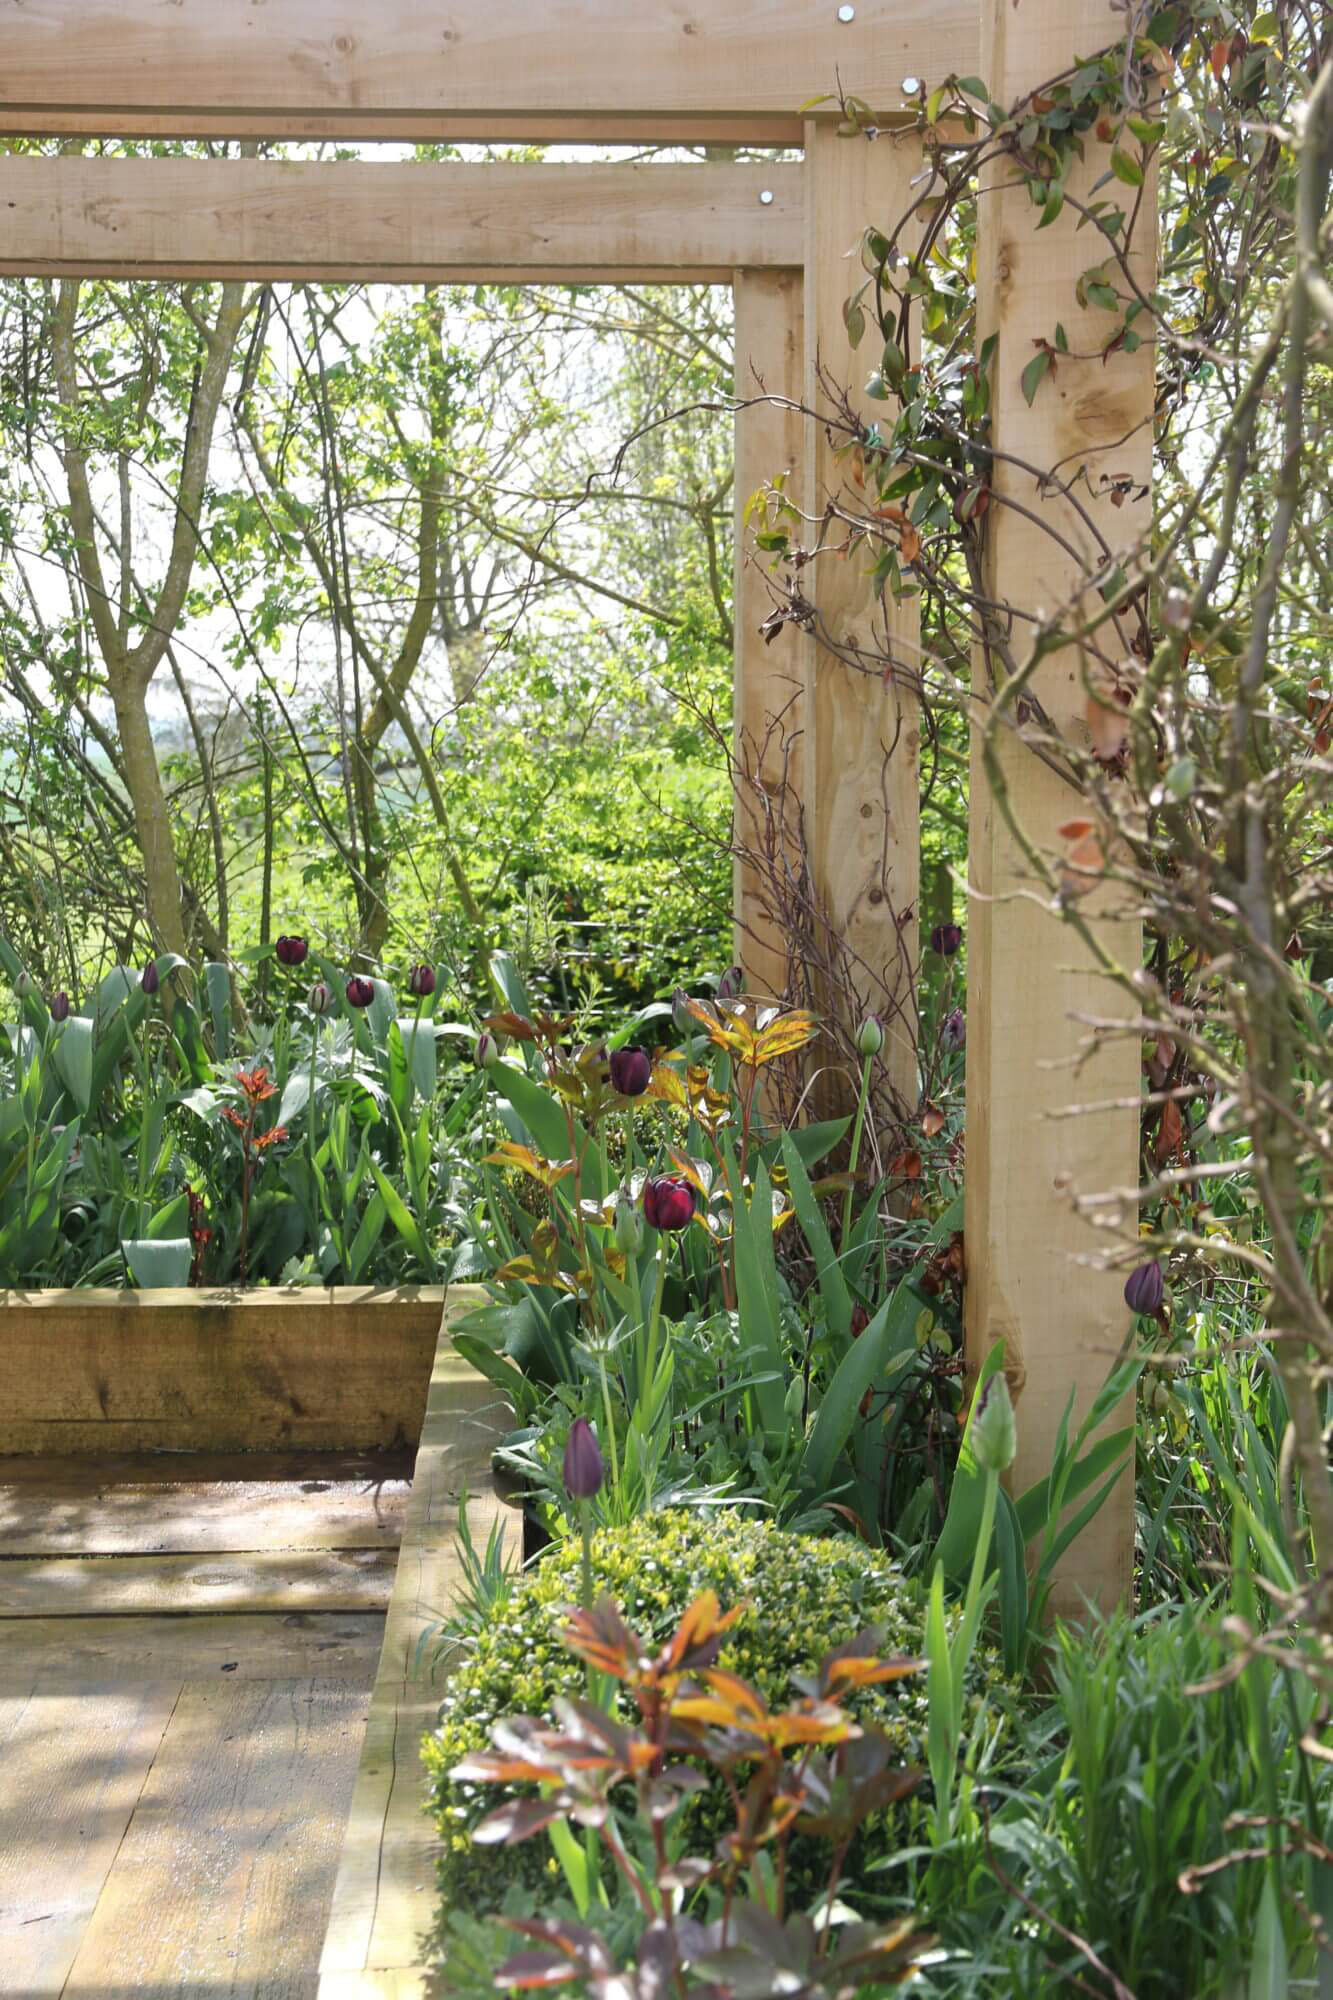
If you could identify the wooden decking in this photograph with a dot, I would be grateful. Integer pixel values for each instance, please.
(187, 1652)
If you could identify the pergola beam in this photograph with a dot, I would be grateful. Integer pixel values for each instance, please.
(340, 67)
(405, 223)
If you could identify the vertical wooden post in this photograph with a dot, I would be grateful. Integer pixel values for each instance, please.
(862, 727)
(1029, 975)
(768, 679)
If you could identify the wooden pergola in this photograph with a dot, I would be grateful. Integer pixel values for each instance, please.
(722, 72)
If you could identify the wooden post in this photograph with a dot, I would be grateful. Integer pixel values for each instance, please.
(768, 678)
(1029, 975)
(862, 729)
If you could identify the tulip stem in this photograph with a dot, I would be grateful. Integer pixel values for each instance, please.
(310, 1133)
(585, 1526)
(610, 1421)
(650, 1343)
(857, 1130)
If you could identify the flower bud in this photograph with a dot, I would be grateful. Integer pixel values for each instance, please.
(682, 1019)
(320, 998)
(60, 1006)
(151, 978)
(583, 1468)
(360, 992)
(1144, 1288)
(994, 1434)
(668, 1203)
(946, 939)
(421, 982)
(25, 986)
(487, 1052)
(870, 1036)
(953, 1029)
(860, 1320)
(631, 1071)
(732, 984)
(291, 951)
(628, 1226)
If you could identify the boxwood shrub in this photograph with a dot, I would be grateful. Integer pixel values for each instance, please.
(801, 1595)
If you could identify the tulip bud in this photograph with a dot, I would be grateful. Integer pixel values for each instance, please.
(487, 1052)
(732, 984)
(1144, 1289)
(946, 939)
(682, 1019)
(870, 1036)
(421, 982)
(320, 998)
(25, 985)
(628, 1226)
(631, 1071)
(668, 1203)
(994, 1434)
(860, 1320)
(60, 1006)
(953, 1029)
(291, 951)
(151, 979)
(583, 1468)
(360, 992)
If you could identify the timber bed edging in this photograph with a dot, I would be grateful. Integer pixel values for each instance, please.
(384, 1898)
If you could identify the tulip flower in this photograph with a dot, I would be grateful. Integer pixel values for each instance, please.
(583, 1467)
(732, 984)
(421, 982)
(668, 1203)
(60, 1006)
(631, 1071)
(953, 1029)
(25, 985)
(682, 1019)
(870, 1036)
(487, 1052)
(151, 979)
(360, 992)
(291, 951)
(1144, 1289)
(628, 1226)
(319, 999)
(946, 939)
(994, 1434)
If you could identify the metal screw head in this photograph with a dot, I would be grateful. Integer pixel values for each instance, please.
(846, 14)
(766, 197)
(911, 85)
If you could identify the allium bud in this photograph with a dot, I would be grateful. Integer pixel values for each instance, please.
(946, 939)
(291, 951)
(583, 1468)
(631, 1071)
(151, 979)
(668, 1203)
(421, 982)
(732, 984)
(320, 998)
(1144, 1289)
(487, 1052)
(953, 1029)
(682, 1019)
(60, 1006)
(628, 1226)
(870, 1036)
(360, 992)
(994, 1434)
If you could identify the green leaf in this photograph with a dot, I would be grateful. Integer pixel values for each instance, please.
(962, 1523)
(757, 1291)
(832, 1285)
(1034, 1507)
(158, 1263)
(1126, 168)
(403, 1220)
(74, 1060)
(1269, 1974)
(882, 1352)
(1034, 375)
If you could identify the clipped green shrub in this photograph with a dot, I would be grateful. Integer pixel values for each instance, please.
(802, 1595)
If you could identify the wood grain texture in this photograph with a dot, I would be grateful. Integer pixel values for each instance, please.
(408, 222)
(384, 1902)
(66, 1654)
(768, 677)
(223, 1879)
(1030, 979)
(129, 65)
(186, 1585)
(74, 1767)
(113, 1372)
(176, 1504)
(862, 731)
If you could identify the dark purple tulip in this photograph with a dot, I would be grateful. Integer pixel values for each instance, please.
(631, 1071)
(360, 992)
(668, 1203)
(151, 979)
(421, 982)
(291, 951)
(487, 1052)
(953, 1032)
(732, 984)
(60, 1006)
(320, 998)
(1143, 1289)
(946, 938)
(583, 1468)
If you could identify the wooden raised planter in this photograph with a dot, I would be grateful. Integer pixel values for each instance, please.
(295, 1367)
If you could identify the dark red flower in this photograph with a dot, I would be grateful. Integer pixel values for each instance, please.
(360, 992)
(151, 979)
(583, 1467)
(631, 1071)
(421, 982)
(291, 951)
(946, 939)
(1144, 1289)
(732, 984)
(60, 1006)
(953, 1031)
(668, 1202)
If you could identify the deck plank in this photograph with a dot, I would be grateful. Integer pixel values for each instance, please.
(74, 1767)
(223, 1880)
(66, 1654)
(266, 1580)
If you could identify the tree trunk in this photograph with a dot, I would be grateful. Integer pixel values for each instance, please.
(152, 823)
